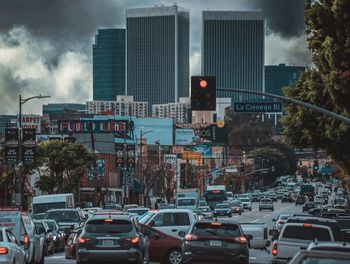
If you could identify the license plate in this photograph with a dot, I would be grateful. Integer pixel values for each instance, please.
(107, 243)
(215, 243)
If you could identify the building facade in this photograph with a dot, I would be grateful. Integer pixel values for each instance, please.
(180, 112)
(123, 106)
(279, 76)
(233, 51)
(157, 54)
(108, 64)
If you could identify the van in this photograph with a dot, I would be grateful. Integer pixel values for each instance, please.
(43, 203)
(22, 226)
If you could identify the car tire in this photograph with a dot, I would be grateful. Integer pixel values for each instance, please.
(174, 256)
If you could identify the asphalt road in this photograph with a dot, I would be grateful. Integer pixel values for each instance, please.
(254, 216)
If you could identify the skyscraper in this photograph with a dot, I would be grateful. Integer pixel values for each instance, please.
(157, 54)
(233, 51)
(109, 64)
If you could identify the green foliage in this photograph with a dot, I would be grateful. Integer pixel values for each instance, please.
(67, 163)
(327, 84)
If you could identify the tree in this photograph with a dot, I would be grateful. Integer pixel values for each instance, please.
(67, 163)
(153, 175)
(248, 130)
(326, 84)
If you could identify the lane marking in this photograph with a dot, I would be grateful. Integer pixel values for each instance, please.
(256, 220)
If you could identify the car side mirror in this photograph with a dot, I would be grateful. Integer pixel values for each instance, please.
(182, 233)
(273, 232)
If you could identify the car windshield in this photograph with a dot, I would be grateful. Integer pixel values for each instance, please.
(108, 226)
(63, 216)
(315, 260)
(186, 202)
(216, 229)
(284, 217)
(244, 200)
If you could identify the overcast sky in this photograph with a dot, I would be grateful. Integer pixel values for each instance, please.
(45, 45)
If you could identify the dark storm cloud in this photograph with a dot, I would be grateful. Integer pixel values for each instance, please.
(284, 17)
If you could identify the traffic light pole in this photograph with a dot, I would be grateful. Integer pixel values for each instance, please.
(287, 99)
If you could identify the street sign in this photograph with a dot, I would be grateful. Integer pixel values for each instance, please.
(170, 158)
(191, 155)
(231, 170)
(257, 107)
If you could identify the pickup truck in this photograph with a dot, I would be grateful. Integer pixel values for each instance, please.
(297, 236)
(259, 231)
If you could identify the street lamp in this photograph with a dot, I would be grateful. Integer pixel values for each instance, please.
(21, 101)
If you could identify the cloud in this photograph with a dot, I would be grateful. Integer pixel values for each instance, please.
(195, 63)
(28, 66)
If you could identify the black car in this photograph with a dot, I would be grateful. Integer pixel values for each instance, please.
(44, 230)
(223, 210)
(113, 239)
(287, 198)
(215, 242)
(301, 199)
(308, 205)
(67, 219)
(59, 237)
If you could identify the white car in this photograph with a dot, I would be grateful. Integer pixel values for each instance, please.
(172, 222)
(10, 249)
(247, 203)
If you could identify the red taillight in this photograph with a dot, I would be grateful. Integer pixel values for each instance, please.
(190, 237)
(108, 220)
(26, 241)
(265, 233)
(133, 240)
(274, 250)
(4, 250)
(307, 225)
(241, 239)
(216, 224)
(83, 240)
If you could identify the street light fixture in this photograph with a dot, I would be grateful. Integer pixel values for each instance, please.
(21, 101)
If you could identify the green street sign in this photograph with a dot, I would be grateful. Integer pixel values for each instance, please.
(257, 107)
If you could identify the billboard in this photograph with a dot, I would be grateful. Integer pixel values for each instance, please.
(29, 146)
(32, 122)
(11, 145)
(194, 134)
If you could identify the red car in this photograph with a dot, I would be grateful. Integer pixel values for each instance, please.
(162, 247)
(71, 244)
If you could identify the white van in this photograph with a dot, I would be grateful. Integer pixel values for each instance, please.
(22, 226)
(172, 222)
(43, 203)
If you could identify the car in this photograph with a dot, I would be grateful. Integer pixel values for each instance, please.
(320, 257)
(223, 209)
(319, 200)
(280, 221)
(280, 195)
(43, 230)
(339, 200)
(59, 236)
(68, 219)
(266, 204)
(255, 197)
(114, 207)
(301, 199)
(236, 206)
(162, 247)
(71, 244)
(215, 242)
(287, 198)
(207, 212)
(329, 246)
(10, 248)
(23, 228)
(316, 211)
(113, 239)
(202, 203)
(308, 205)
(247, 203)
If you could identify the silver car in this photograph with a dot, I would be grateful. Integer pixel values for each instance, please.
(10, 250)
(266, 204)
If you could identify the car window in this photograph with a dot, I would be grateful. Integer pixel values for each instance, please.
(1, 236)
(112, 227)
(71, 238)
(29, 225)
(164, 219)
(9, 238)
(220, 230)
(306, 233)
(13, 238)
(182, 219)
(315, 260)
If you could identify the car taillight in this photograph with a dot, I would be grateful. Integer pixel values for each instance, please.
(4, 250)
(274, 250)
(307, 225)
(26, 241)
(265, 233)
(190, 237)
(133, 240)
(83, 240)
(241, 239)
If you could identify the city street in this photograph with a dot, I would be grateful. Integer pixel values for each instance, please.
(254, 216)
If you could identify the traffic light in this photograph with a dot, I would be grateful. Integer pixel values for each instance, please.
(203, 93)
(315, 165)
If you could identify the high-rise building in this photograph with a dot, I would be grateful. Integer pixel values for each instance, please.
(233, 51)
(180, 112)
(123, 106)
(109, 64)
(279, 76)
(157, 54)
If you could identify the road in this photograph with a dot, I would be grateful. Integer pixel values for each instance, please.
(254, 216)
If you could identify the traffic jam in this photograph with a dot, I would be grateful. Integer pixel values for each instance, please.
(293, 222)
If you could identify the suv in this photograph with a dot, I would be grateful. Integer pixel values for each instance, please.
(266, 203)
(206, 240)
(111, 239)
(23, 228)
(67, 219)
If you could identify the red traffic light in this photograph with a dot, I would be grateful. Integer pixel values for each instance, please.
(203, 84)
